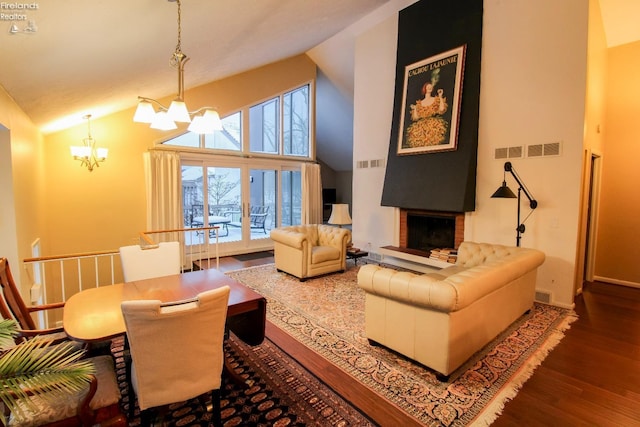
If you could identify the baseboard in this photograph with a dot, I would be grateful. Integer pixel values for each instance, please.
(616, 281)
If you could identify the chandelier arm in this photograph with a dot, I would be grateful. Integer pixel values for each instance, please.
(201, 109)
(158, 103)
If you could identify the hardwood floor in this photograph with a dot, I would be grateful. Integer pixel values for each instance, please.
(591, 378)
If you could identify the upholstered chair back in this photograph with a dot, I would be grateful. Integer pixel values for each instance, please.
(146, 263)
(176, 349)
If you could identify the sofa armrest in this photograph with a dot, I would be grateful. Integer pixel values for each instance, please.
(290, 238)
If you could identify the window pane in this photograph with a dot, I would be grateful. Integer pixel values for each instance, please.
(263, 195)
(263, 127)
(296, 122)
(188, 139)
(291, 198)
(192, 189)
(230, 137)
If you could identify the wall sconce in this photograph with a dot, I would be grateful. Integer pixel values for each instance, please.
(88, 154)
(505, 192)
(339, 215)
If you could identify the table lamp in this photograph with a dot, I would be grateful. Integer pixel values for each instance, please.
(339, 215)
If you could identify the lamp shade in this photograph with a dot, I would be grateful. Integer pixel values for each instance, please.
(504, 192)
(178, 111)
(144, 113)
(162, 121)
(340, 214)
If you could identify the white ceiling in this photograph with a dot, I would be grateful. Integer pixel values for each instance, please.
(620, 19)
(97, 56)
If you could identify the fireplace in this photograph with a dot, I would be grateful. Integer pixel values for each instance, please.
(421, 230)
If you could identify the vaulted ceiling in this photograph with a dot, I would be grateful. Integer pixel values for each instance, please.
(98, 56)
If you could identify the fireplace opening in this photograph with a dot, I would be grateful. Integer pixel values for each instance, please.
(427, 232)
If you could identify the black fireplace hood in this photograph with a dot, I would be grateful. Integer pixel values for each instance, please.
(438, 181)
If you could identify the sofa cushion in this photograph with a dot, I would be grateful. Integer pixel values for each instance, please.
(471, 254)
(324, 253)
(446, 272)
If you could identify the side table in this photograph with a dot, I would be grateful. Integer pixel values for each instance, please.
(354, 255)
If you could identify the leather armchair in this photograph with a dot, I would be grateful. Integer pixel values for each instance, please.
(310, 250)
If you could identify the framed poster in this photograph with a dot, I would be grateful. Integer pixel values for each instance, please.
(431, 103)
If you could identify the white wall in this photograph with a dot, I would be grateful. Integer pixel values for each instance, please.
(533, 85)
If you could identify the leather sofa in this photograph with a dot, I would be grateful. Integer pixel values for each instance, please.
(310, 250)
(440, 319)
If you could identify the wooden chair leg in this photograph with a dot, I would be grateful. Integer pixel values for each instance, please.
(146, 418)
(215, 411)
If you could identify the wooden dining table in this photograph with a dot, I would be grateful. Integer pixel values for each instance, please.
(95, 314)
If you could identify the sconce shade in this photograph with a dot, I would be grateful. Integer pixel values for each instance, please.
(504, 192)
(340, 214)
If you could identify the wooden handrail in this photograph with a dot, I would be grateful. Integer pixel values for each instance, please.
(75, 255)
(144, 234)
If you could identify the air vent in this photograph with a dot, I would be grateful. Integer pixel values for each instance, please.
(362, 164)
(375, 256)
(515, 152)
(540, 150)
(544, 297)
(378, 163)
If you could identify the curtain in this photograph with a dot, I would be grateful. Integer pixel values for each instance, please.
(163, 180)
(311, 194)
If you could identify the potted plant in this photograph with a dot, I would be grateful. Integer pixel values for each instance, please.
(37, 367)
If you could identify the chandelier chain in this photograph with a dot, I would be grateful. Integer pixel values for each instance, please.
(177, 56)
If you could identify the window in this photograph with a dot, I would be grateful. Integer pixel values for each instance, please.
(263, 127)
(230, 137)
(248, 195)
(296, 122)
(279, 127)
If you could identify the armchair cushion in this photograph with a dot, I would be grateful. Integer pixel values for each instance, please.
(324, 253)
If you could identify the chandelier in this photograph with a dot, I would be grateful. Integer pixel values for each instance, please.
(166, 118)
(88, 154)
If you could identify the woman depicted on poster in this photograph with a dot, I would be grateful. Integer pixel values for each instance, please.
(431, 104)
(429, 127)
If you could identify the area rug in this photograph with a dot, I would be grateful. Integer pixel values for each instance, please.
(327, 315)
(281, 393)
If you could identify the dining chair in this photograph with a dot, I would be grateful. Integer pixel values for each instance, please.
(140, 263)
(176, 350)
(15, 307)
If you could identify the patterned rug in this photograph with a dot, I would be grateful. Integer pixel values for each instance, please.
(282, 393)
(327, 315)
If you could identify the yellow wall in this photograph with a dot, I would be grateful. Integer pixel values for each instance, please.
(105, 209)
(25, 191)
(617, 251)
(593, 128)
